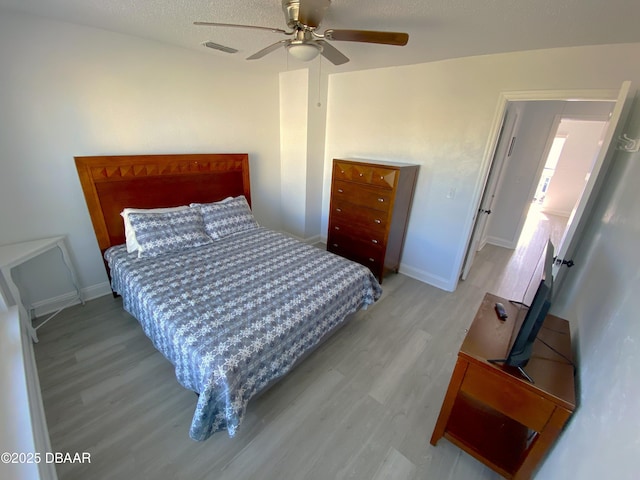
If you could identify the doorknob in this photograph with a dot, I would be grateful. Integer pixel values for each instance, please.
(561, 261)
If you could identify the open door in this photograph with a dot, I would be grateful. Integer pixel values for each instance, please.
(502, 138)
(503, 150)
(582, 210)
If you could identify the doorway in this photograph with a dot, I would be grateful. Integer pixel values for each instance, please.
(523, 162)
(567, 167)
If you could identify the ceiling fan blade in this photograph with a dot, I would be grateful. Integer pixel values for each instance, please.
(234, 25)
(368, 36)
(268, 49)
(332, 54)
(312, 12)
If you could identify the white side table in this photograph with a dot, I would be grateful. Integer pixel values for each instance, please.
(16, 254)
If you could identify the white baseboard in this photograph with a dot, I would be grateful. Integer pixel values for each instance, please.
(425, 277)
(557, 213)
(310, 240)
(501, 242)
(313, 240)
(417, 274)
(50, 305)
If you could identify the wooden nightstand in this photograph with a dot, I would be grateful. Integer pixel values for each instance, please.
(491, 411)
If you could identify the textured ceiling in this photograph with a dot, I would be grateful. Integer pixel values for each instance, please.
(438, 29)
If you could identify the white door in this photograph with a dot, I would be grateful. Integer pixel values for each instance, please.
(503, 150)
(580, 214)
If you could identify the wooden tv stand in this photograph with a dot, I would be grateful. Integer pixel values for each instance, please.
(491, 411)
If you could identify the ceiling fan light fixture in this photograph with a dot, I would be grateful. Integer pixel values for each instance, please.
(304, 51)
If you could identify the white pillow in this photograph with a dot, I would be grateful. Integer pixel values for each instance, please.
(129, 233)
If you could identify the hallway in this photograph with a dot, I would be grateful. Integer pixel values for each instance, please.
(514, 268)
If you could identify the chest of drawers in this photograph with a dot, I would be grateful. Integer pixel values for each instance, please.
(369, 212)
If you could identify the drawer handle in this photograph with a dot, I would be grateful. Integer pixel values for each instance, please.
(377, 220)
(341, 171)
(371, 259)
(381, 199)
(381, 177)
(374, 241)
(362, 174)
(335, 245)
(336, 228)
(340, 190)
(338, 209)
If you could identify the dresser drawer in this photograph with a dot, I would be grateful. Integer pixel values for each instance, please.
(524, 406)
(348, 250)
(384, 177)
(366, 174)
(342, 170)
(344, 212)
(369, 197)
(366, 239)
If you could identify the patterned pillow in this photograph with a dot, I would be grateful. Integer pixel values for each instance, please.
(129, 234)
(226, 217)
(160, 233)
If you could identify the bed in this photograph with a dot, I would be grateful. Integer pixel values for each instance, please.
(234, 310)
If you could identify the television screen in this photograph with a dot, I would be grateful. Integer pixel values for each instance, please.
(531, 316)
(536, 313)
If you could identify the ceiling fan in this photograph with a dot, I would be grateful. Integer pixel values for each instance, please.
(303, 17)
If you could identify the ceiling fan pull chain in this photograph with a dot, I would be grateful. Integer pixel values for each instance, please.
(319, 104)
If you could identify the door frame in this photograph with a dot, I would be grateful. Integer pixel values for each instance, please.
(504, 98)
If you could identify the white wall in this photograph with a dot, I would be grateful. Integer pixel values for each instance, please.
(317, 110)
(600, 299)
(583, 140)
(439, 115)
(16, 428)
(69, 90)
(294, 92)
(302, 132)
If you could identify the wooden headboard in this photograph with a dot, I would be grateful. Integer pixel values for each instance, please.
(112, 183)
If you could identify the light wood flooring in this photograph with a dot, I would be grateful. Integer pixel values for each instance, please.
(362, 406)
(516, 273)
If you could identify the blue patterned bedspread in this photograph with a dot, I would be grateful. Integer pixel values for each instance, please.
(234, 316)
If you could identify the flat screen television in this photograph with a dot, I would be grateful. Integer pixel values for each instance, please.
(532, 312)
